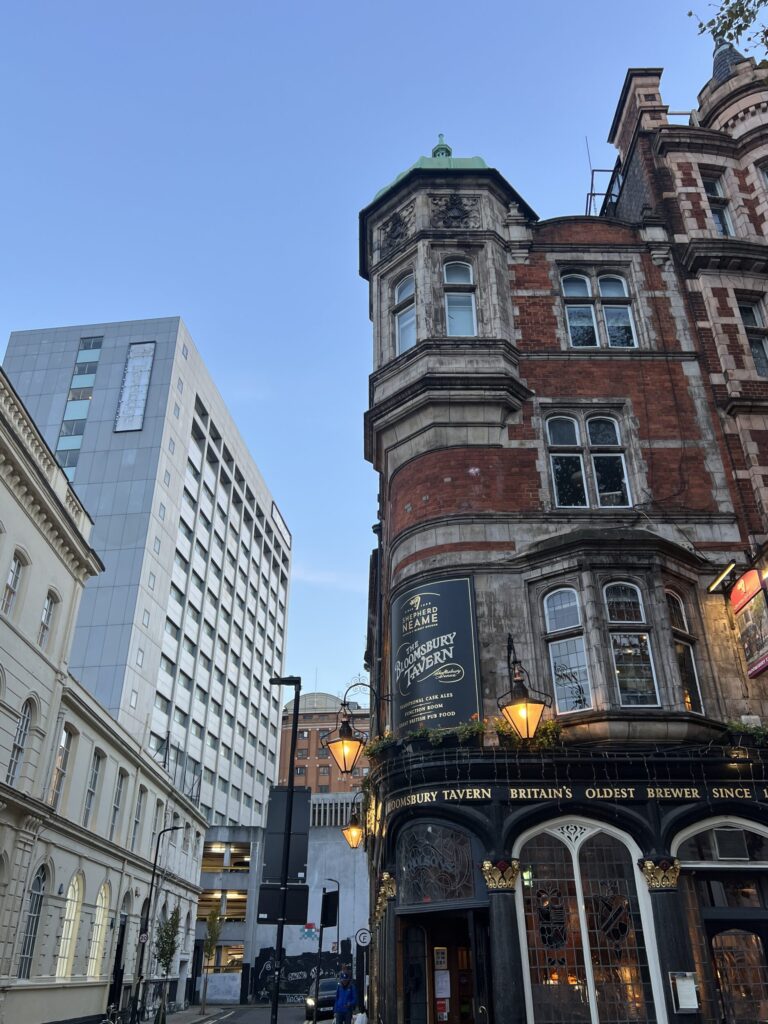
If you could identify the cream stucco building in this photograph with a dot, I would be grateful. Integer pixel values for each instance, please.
(82, 804)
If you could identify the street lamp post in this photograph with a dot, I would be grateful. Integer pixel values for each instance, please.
(295, 682)
(144, 930)
(338, 919)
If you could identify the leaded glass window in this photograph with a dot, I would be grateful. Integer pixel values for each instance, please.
(567, 654)
(434, 864)
(586, 953)
(630, 650)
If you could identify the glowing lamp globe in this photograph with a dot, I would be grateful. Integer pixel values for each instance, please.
(346, 748)
(353, 832)
(524, 714)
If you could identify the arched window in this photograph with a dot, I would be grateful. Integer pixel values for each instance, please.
(157, 824)
(686, 663)
(567, 654)
(60, 767)
(46, 619)
(630, 649)
(13, 582)
(187, 835)
(97, 761)
(585, 945)
(460, 312)
(72, 910)
(34, 907)
(99, 934)
(405, 313)
(590, 474)
(117, 803)
(137, 816)
(608, 304)
(422, 846)
(19, 742)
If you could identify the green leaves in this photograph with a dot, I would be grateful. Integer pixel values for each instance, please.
(735, 20)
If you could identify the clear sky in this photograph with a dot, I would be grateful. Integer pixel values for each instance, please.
(209, 159)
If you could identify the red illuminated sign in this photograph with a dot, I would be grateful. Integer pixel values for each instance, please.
(744, 589)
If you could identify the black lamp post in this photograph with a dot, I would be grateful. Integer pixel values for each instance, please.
(295, 682)
(144, 930)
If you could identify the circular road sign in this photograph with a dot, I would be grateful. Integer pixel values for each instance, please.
(363, 937)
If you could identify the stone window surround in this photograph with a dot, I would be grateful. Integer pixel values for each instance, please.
(593, 270)
(589, 581)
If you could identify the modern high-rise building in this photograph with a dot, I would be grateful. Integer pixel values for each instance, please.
(179, 636)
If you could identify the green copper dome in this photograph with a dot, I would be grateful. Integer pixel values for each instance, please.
(442, 159)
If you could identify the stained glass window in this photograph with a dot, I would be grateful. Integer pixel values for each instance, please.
(434, 863)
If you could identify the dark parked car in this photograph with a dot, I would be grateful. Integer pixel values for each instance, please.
(326, 997)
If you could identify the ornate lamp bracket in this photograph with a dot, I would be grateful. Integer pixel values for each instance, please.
(661, 874)
(387, 891)
(502, 875)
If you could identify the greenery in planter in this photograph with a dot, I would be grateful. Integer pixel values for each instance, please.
(379, 744)
(468, 731)
(749, 735)
(548, 735)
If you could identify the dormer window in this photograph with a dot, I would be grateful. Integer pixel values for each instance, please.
(460, 313)
(405, 314)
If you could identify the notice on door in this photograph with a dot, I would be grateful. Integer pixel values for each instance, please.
(434, 671)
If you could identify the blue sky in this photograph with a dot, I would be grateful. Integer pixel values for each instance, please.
(210, 159)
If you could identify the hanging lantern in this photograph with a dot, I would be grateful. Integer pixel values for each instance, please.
(353, 831)
(521, 707)
(347, 747)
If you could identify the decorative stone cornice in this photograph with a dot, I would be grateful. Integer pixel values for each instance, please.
(502, 875)
(661, 874)
(34, 478)
(730, 254)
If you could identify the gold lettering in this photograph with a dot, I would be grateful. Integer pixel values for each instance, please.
(732, 793)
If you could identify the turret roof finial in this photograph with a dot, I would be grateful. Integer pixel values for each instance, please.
(725, 56)
(442, 148)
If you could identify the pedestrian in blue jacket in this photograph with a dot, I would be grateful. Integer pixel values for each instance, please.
(346, 1000)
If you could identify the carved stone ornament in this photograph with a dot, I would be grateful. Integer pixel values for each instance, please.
(387, 890)
(455, 211)
(661, 874)
(396, 231)
(501, 875)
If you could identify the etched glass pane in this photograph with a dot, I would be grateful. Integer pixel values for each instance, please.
(623, 603)
(617, 950)
(618, 322)
(555, 950)
(570, 674)
(742, 975)
(757, 345)
(603, 431)
(612, 491)
(460, 314)
(562, 610)
(676, 611)
(581, 326)
(634, 669)
(562, 431)
(434, 863)
(568, 476)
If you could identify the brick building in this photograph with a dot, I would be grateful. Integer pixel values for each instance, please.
(314, 767)
(568, 420)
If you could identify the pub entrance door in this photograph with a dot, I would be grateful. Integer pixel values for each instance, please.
(444, 968)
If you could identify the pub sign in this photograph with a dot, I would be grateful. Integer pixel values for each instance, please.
(748, 603)
(435, 681)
